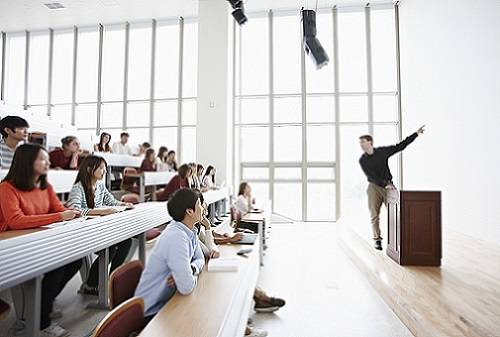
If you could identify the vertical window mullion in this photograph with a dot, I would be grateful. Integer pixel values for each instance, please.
(99, 80)
(51, 63)
(304, 131)
(26, 69)
(152, 84)
(338, 189)
(2, 79)
(73, 85)
(369, 72)
(179, 98)
(271, 108)
(125, 75)
(399, 106)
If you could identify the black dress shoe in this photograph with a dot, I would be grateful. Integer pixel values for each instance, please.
(378, 244)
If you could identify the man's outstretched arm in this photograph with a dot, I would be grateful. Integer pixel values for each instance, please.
(407, 141)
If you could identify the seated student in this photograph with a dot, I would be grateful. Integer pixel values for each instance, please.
(176, 259)
(193, 180)
(209, 178)
(161, 159)
(103, 145)
(14, 132)
(141, 150)
(90, 196)
(66, 157)
(29, 201)
(171, 162)
(122, 146)
(263, 302)
(180, 180)
(244, 202)
(149, 162)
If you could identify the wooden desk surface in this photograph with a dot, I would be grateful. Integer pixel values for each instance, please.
(13, 234)
(219, 306)
(254, 217)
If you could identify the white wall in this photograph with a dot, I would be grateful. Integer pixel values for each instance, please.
(213, 136)
(450, 62)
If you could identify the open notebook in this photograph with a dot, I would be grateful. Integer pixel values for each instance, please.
(224, 264)
(65, 223)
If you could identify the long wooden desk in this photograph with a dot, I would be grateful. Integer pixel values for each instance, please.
(218, 307)
(25, 258)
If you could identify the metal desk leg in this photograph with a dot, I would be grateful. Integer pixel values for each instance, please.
(108, 177)
(33, 291)
(142, 189)
(103, 302)
(142, 248)
(261, 246)
(212, 212)
(153, 195)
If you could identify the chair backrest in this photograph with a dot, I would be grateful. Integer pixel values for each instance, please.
(123, 281)
(130, 197)
(123, 320)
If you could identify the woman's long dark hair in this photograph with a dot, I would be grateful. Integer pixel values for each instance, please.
(106, 147)
(161, 153)
(242, 188)
(183, 170)
(208, 171)
(21, 172)
(85, 174)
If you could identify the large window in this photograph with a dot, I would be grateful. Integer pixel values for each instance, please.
(136, 66)
(297, 127)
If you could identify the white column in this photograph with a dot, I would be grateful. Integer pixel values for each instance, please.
(214, 117)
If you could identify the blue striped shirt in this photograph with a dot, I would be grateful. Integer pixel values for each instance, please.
(102, 198)
(176, 253)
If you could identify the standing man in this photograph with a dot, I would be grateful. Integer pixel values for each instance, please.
(375, 165)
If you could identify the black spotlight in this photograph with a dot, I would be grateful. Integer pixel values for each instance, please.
(239, 11)
(312, 46)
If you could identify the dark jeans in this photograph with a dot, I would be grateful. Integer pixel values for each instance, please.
(52, 284)
(117, 255)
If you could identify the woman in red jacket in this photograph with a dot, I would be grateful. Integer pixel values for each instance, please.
(180, 180)
(29, 201)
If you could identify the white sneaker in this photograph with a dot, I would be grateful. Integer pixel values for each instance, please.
(56, 312)
(54, 330)
(256, 332)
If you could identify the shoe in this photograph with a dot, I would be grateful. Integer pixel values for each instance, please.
(256, 332)
(88, 290)
(378, 244)
(249, 321)
(56, 314)
(4, 309)
(269, 305)
(54, 330)
(18, 328)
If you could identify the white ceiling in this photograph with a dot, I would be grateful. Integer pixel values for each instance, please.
(18, 15)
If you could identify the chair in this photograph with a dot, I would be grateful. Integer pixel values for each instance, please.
(130, 197)
(130, 179)
(125, 319)
(123, 281)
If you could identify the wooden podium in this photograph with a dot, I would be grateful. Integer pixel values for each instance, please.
(414, 235)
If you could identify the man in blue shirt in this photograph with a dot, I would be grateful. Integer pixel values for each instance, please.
(176, 259)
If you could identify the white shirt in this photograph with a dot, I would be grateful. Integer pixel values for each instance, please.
(119, 148)
(208, 182)
(242, 205)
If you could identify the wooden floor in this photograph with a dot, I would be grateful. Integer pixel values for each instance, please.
(327, 296)
(461, 298)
